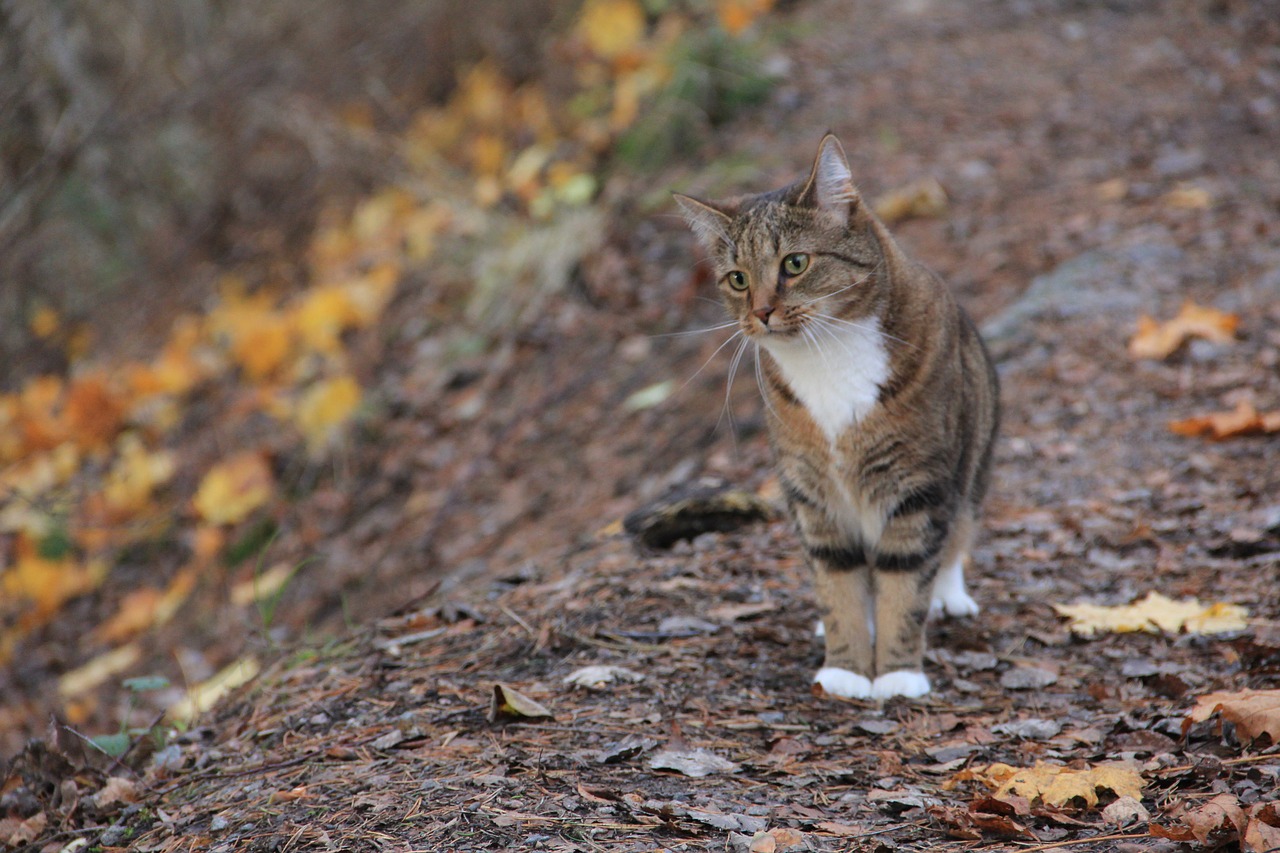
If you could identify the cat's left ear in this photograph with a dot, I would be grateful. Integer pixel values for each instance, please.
(708, 221)
(830, 185)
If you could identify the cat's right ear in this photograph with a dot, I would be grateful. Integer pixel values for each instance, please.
(709, 222)
(830, 185)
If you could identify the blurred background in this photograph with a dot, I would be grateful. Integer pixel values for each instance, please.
(311, 313)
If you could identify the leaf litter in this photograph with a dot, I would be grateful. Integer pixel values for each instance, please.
(370, 739)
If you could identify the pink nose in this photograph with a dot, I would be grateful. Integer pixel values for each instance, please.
(763, 313)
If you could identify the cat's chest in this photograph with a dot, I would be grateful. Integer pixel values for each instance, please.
(836, 372)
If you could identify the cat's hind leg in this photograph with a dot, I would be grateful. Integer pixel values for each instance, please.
(949, 594)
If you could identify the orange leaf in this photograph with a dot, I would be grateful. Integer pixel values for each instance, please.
(1160, 340)
(736, 15)
(325, 407)
(1243, 420)
(234, 488)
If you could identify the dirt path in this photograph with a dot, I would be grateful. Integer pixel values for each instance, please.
(1116, 159)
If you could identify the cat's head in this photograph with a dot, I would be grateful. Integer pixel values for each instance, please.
(783, 258)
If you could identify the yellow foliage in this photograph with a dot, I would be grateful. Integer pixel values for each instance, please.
(611, 28)
(47, 583)
(324, 408)
(45, 322)
(1155, 613)
(133, 477)
(323, 314)
(234, 488)
(147, 608)
(1055, 785)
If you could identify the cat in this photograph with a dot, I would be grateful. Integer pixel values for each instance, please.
(882, 405)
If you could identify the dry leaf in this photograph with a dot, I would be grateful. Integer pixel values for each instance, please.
(205, 695)
(325, 408)
(737, 15)
(1160, 340)
(601, 674)
(1243, 420)
(107, 665)
(692, 762)
(1053, 784)
(1155, 613)
(611, 28)
(917, 200)
(509, 704)
(117, 790)
(1253, 712)
(234, 488)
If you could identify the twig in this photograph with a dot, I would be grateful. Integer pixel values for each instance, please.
(515, 617)
(1123, 836)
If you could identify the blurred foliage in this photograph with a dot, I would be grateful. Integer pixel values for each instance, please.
(215, 130)
(138, 138)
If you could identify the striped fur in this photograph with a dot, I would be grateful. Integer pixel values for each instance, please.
(883, 408)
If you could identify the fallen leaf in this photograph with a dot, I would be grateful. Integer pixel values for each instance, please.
(1054, 784)
(1155, 613)
(510, 704)
(920, 199)
(234, 488)
(107, 665)
(1262, 835)
(324, 409)
(1125, 811)
(1253, 712)
(1244, 419)
(737, 15)
(206, 694)
(600, 675)
(1188, 196)
(611, 28)
(840, 830)
(1160, 340)
(1223, 812)
(692, 762)
(118, 789)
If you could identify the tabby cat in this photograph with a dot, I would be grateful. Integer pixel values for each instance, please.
(882, 406)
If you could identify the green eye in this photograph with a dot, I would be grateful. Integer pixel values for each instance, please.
(795, 263)
(737, 280)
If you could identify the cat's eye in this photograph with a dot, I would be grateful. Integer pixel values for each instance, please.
(737, 280)
(795, 263)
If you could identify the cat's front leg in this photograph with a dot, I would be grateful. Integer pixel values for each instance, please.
(843, 585)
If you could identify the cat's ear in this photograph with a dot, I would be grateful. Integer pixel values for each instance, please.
(708, 221)
(830, 185)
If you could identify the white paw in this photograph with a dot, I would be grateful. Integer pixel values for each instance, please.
(819, 630)
(904, 682)
(953, 603)
(842, 682)
(949, 595)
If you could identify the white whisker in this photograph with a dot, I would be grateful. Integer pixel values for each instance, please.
(760, 384)
(727, 341)
(715, 328)
(727, 410)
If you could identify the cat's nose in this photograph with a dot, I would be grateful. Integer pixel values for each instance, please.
(763, 313)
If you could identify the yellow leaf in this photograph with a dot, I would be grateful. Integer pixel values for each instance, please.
(482, 95)
(1160, 340)
(205, 695)
(105, 666)
(371, 292)
(1188, 196)
(45, 322)
(917, 200)
(324, 408)
(1155, 613)
(611, 28)
(234, 488)
(48, 582)
(324, 313)
(1055, 785)
(262, 586)
(134, 477)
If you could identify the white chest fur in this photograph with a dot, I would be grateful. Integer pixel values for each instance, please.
(836, 373)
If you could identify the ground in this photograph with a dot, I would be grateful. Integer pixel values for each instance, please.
(1101, 162)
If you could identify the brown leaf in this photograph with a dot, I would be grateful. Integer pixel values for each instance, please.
(1253, 712)
(841, 830)
(1262, 835)
(117, 790)
(509, 704)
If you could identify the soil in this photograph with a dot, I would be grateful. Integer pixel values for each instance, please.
(1102, 161)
